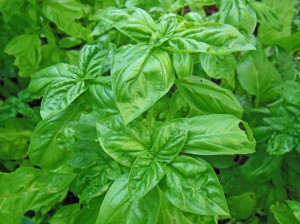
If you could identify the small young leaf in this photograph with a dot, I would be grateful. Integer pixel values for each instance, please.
(170, 139)
(124, 143)
(145, 174)
(91, 60)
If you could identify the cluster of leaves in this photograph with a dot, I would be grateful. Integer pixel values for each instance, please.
(144, 112)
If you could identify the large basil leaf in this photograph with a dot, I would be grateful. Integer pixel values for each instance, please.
(123, 142)
(61, 95)
(133, 22)
(192, 185)
(212, 38)
(118, 208)
(239, 14)
(207, 97)
(41, 80)
(29, 189)
(91, 60)
(170, 139)
(66, 21)
(137, 84)
(258, 76)
(49, 142)
(146, 171)
(218, 134)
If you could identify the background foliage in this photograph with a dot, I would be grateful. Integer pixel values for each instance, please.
(225, 69)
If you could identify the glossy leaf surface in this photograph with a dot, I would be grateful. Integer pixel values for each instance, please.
(138, 84)
(207, 97)
(218, 134)
(118, 208)
(191, 185)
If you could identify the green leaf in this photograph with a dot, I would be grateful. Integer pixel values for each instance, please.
(29, 189)
(285, 13)
(258, 76)
(280, 144)
(41, 80)
(99, 95)
(66, 21)
(183, 64)
(170, 139)
(118, 208)
(211, 38)
(137, 84)
(242, 206)
(290, 43)
(207, 97)
(27, 51)
(123, 143)
(91, 60)
(174, 5)
(290, 91)
(218, 134)
(169, 213)
(61, 95)
(65, 214)
(10, 7)
(89, 213)
(266, 15)
(238, 14)
(146, 171)
(165, 28)
(191, 185)
(92, 181)
(287, 212)
(218, 66)
(133, 22)
(14, 142)
(261, 167)
(49, 141)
